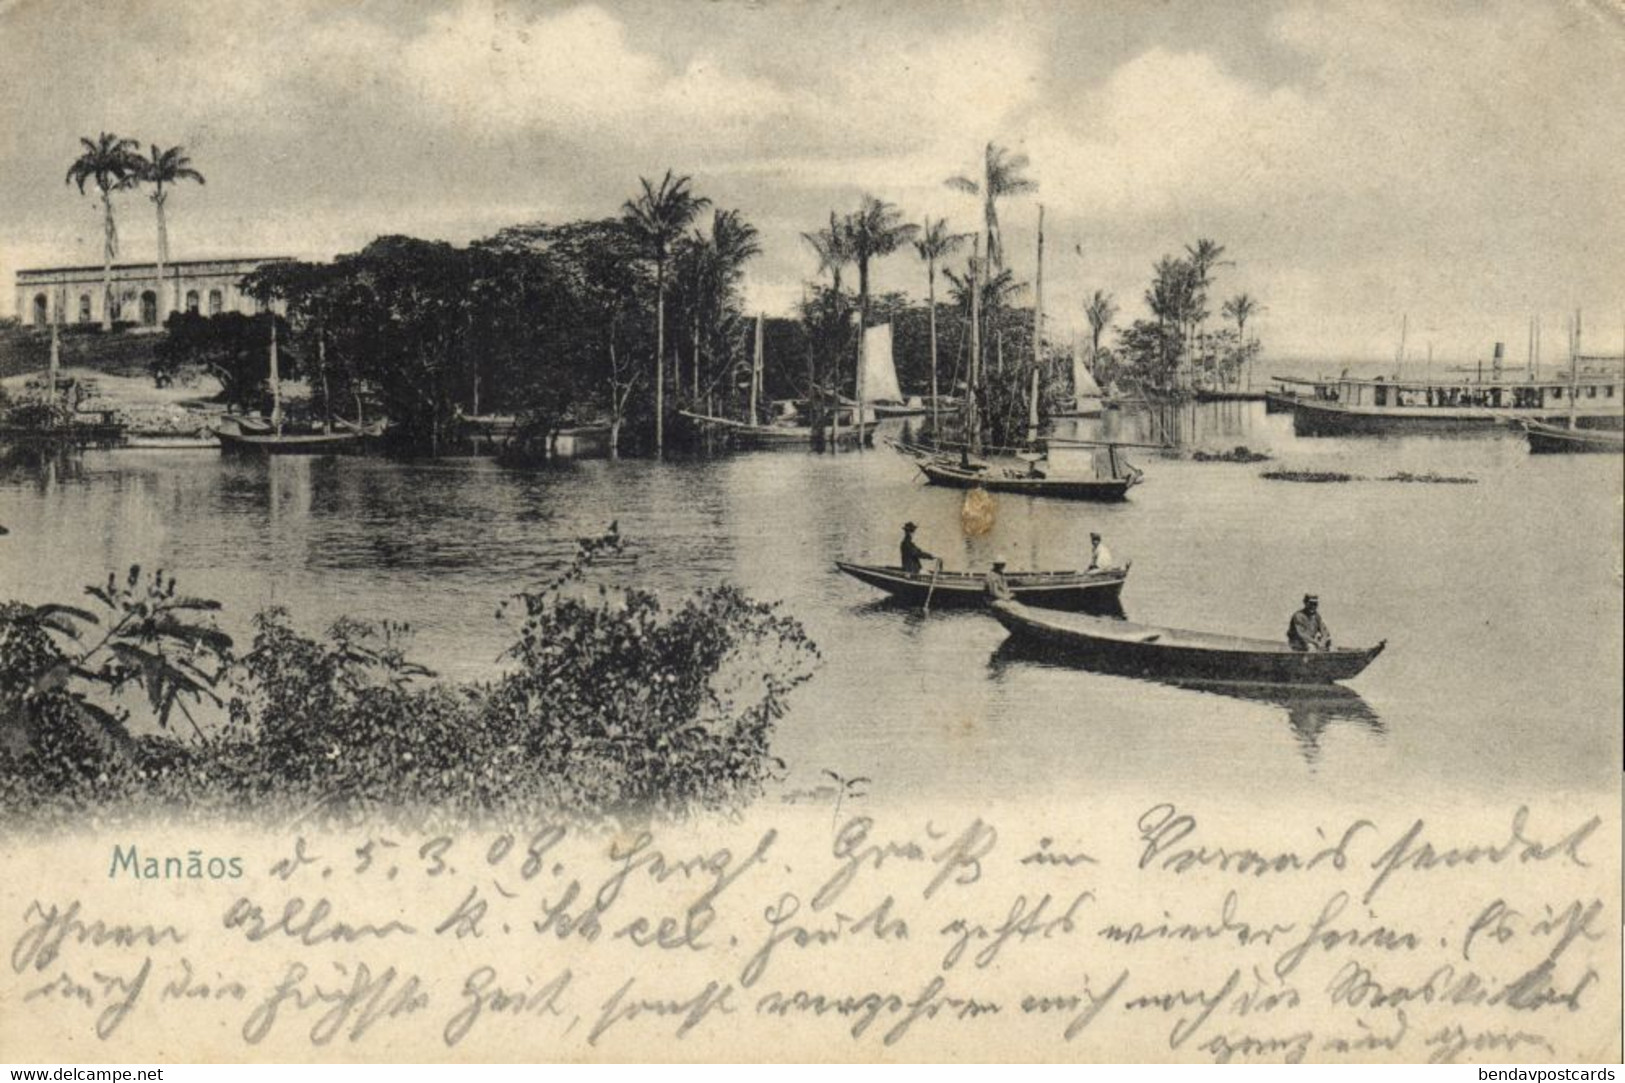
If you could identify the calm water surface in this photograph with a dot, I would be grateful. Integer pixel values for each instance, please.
(1500, 600)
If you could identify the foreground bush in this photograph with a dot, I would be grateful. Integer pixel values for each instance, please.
(613, 703)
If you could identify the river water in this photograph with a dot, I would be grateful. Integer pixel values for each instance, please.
(1500, 600)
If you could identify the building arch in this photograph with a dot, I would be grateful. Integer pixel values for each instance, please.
(191, 302)
(216, 302)
(149, 308)
(84, 308)
(42, 310)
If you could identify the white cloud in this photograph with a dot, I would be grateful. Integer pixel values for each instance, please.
(490, 70)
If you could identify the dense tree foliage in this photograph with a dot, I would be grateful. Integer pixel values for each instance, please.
(613, 702)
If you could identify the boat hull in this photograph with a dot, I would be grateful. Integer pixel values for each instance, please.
(1087, 592)
(1557, 440)
(1138, 650)
(1311, 417)
(1096, 489)
(336, 443)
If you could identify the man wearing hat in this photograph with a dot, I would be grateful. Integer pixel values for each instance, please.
(1100, 557)
(1307, 632)
(913, 555)
(995, 585)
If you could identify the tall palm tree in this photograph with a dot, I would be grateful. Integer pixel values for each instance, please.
(720, 264)
(114, 164)
(1001, 176)
(934, 243)
(874, 232)
(166, 167)
(1203, 256)
(658, 218)
(833, 248)
(1100, 309)
(1241, 308)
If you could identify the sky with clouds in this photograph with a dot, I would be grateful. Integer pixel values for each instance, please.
(1459, 163)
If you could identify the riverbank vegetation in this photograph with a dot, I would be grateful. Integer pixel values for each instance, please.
(613, 702)
(636, 322)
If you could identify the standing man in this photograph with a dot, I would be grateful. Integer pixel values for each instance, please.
(1308, 632)
(1100, 557)
(913, 556)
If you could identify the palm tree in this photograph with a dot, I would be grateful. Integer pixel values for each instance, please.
(658, 218)
(1001, 176)
(1204, 256)
(719, 264)
(833, 248)
(1241, 308)
(165, 167)
(934, 243)
(875, 231)
(114, 164)
(1099, 311)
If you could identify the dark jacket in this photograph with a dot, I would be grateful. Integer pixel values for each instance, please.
(913, 555)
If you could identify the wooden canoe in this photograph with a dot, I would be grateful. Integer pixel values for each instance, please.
(1095, 591)
(1143, 650)
(938, 472)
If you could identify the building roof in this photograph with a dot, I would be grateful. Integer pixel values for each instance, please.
(96, 268)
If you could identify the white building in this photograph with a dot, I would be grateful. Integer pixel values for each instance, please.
(74, 294)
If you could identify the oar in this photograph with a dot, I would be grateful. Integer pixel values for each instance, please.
(933, 588)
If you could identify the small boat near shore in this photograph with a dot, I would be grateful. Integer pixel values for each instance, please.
(203, 440)
(1547, 439)
(1074, 591)
(1065, 472)
(1143, 650)
(234, 437)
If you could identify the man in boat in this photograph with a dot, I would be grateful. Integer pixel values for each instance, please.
(995, 585)
(1308, 632)
(914, 557)
(1100, 557)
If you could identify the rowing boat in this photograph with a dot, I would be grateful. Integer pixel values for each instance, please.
(234, 438)
(1093, 591)
(1143, 650)
(938, 472)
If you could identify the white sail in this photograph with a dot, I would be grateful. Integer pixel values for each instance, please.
(879, 374)
(1084, 388)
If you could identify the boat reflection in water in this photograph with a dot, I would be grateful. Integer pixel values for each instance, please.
(1310, 708)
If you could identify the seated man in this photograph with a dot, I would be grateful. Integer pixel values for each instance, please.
(995, 585)
(1100, 557)
(1308, 632)
(913, 556)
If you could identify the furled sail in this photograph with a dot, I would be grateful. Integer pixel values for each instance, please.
(879, 374)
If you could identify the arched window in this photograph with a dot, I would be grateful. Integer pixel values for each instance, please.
(216, 302)
(84, 308)
(149, 307)
(191, 301)
(42, 310)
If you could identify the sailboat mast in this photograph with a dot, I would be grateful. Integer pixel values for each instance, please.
(756, 374)
(1038, 297)
(1399, 358)
(1574, 368)
(56, 358)
(276, 382)
(974, 422)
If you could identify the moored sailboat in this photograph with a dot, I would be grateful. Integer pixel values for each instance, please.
(244, 435)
